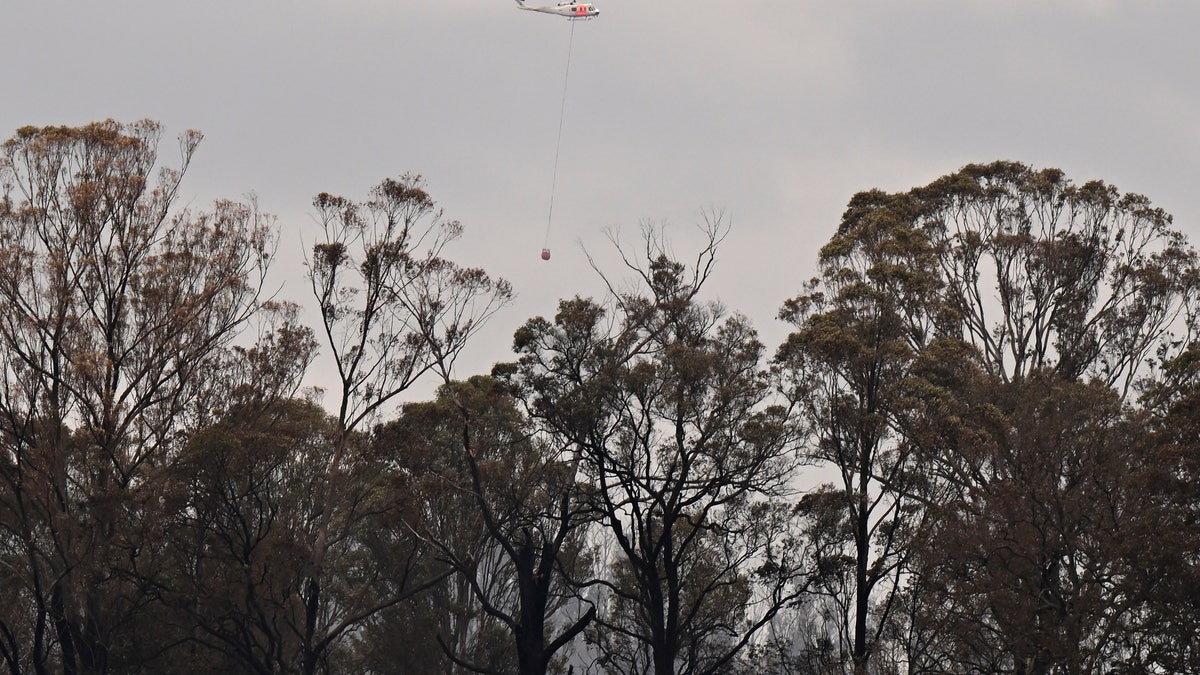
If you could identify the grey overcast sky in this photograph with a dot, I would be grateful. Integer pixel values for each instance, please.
(774, 111)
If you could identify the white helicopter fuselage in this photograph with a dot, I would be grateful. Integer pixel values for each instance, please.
(571, 10)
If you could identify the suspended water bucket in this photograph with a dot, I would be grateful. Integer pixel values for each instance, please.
(545, 254)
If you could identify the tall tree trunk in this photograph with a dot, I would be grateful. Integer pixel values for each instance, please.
(862, 590)
(311, 607)
(62, 627)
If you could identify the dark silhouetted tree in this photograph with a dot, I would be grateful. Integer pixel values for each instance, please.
(860, 326)
(1031, 312)
(669, 411)
(500, 505)
(116, 312)
(1041, 273)
(392, 310)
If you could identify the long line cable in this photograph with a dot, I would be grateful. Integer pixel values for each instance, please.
(558, 143)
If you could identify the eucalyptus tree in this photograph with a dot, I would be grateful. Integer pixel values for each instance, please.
(1027, 315)
(1041, 568)
(244, 501)
(392, 309)
(861, 326)
(1170, 580)
(669, 412)
(1072, 298)
(117, 309)
(1041, 273)
(501, 506)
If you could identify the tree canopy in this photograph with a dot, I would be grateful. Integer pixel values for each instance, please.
(976, 452)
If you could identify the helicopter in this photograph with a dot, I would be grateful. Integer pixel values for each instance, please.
(571, 10)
